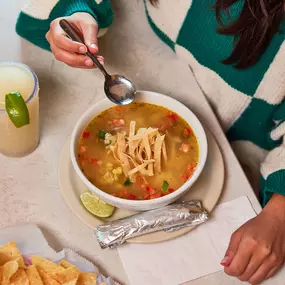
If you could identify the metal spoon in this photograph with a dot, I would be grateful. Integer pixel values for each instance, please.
(118, 88)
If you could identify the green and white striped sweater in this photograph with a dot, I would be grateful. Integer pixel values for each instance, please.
(250, 104)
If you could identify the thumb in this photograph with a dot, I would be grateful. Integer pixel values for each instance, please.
(90, 31)
(233, 247)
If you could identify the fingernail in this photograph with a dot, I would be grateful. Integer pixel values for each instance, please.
(88, 62)
(94, 46)
(82, 49)
(225, 261)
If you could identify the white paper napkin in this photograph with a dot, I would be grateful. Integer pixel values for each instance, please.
(191, 256)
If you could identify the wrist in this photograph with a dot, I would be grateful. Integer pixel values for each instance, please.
(276, 207)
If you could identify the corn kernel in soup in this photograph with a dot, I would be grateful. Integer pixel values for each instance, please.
(140, 151)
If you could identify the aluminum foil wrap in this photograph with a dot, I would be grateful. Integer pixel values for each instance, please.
(169, 218)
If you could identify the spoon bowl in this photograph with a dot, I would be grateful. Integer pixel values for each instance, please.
(119, 89)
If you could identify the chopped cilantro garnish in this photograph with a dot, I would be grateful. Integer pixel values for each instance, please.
(128, 182)
(101, 134)
(165, 186)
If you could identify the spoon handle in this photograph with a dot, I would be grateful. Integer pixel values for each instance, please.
(76, 36)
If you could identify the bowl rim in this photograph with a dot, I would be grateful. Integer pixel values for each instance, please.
(140, 203)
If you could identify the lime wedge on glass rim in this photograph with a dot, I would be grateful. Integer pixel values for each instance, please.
(17, 109)
(96, 206)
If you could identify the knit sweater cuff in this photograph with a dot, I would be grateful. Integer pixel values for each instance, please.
(274, 184)
(78, 6)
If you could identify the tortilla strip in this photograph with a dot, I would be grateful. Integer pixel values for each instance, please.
(157, 152)
(140, 167)
(141, 132)
(131, 134)
(131, 160)
(132, 129)
(121, 150)
(139, 152)
(150, 169)
(142, 171)
(164, 153)
(147, 146)
(131, 177)
(113, 149)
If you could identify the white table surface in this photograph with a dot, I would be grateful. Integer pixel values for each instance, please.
(29, 186)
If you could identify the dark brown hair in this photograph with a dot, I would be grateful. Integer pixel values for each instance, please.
(253, 30)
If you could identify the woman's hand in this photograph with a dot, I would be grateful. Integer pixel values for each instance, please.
(257, 249)
(70, 52)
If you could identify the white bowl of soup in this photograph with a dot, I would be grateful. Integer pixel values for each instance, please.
(141, 156)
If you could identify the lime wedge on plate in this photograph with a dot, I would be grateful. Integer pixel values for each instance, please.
(17, 109)
(96, 206)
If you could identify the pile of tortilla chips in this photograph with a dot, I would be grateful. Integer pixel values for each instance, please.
(13, 270)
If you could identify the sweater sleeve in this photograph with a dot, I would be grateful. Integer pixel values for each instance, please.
(273, 167)
(35, 18)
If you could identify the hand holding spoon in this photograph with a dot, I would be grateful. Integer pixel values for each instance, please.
(118, 88)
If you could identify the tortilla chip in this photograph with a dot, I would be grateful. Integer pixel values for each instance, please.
(10, 252)
(33, 276)
(47, 280)
(68, 276)
(8, 270)
(65, 264)
(86, 278)
(46, 265)
(19, 278)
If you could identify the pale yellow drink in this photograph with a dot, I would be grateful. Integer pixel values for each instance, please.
(18, 142)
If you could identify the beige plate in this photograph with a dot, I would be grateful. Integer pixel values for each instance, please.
(207, 189)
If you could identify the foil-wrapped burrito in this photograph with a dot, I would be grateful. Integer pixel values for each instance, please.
(169, 218)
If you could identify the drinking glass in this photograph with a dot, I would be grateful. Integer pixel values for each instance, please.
(18, 77)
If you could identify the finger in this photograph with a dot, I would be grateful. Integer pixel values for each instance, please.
(90, 31)
(71, 58)
(233, 247)
(272, 272)
(61, 41)
(240, 260)
(82, 67)
(48, 36)
(255, 262)
(100, 58)
(260, 274)
(270, 263)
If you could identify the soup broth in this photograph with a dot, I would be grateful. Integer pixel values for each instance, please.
(140, 151)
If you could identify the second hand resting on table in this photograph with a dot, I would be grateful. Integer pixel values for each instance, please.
(257, 249)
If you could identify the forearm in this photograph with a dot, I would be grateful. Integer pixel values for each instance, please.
(276, 207)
